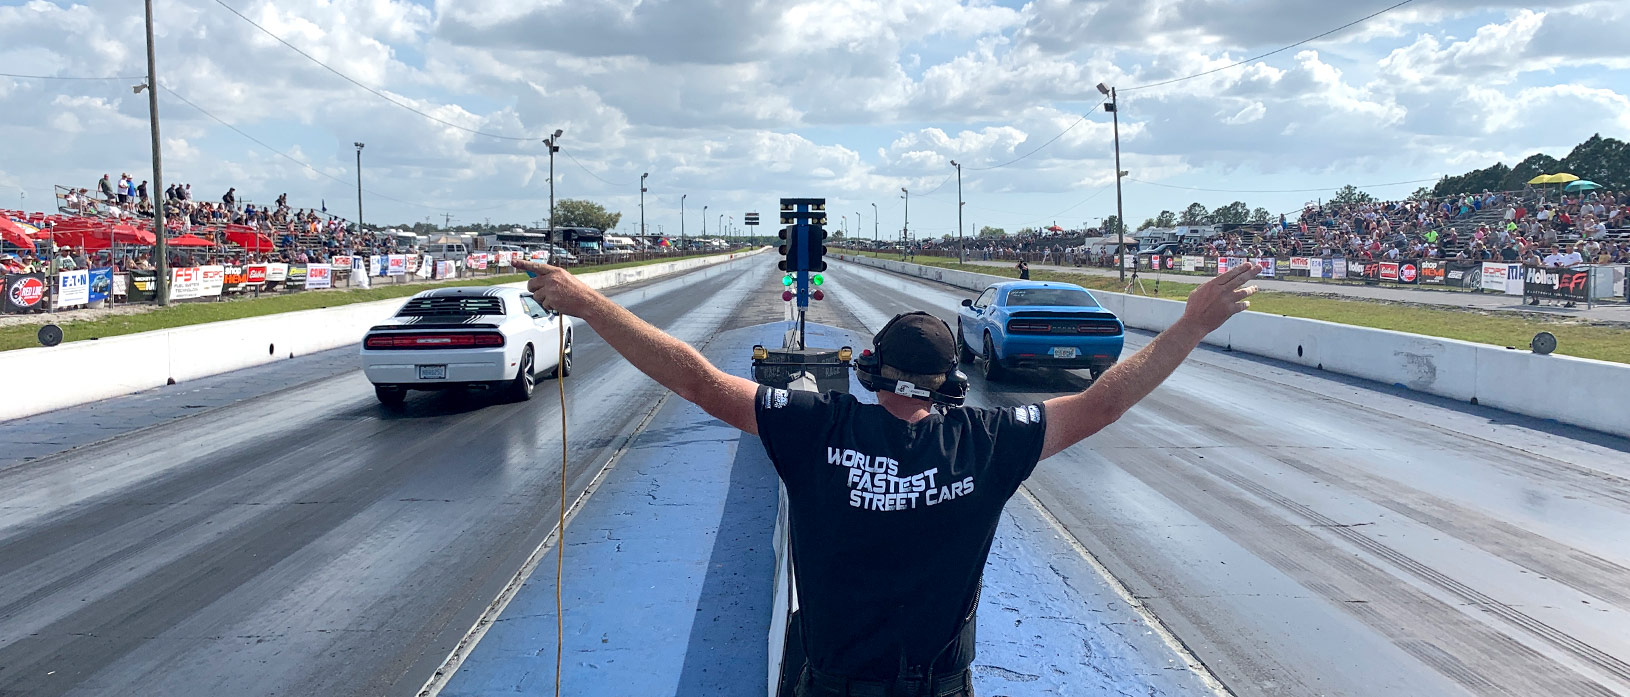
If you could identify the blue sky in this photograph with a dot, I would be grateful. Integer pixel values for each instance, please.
(738, 102)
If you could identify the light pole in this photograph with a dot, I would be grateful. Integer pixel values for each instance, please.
(722, 231)
(682, 218)
(905, 228)
(704, 221)
(359, 189)
(874, 222)
(960, 256)
(642, 202)
(1113, 107)
(161, 265)
(553, 142)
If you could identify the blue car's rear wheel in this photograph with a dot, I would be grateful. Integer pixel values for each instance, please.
(992, 365)
(964, 353)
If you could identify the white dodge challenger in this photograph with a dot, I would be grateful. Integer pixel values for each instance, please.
(490, 337)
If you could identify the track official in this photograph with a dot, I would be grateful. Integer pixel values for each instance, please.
(894, 505)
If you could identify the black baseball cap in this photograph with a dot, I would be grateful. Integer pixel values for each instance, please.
(917, 343)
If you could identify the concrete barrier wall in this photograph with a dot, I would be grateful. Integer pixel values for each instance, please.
(1575, 391)
(43, 379)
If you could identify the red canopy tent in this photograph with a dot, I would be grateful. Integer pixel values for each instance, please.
(15, 234)
(189, 241)
(246, 237)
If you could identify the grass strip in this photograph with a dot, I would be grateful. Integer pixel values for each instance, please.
(190, 313)
(1499, 328)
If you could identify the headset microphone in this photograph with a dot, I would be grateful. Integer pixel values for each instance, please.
(869, 373)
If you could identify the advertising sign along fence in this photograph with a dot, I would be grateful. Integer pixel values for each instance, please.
(73, 288)
(1559, 284)
(319, 276)
(25, 292)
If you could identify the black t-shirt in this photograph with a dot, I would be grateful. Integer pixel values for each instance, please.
(891, 522)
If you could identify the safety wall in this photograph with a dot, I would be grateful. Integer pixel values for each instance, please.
(1518, 381)
(43, 379)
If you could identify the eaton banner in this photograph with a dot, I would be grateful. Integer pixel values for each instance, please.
(73, 288)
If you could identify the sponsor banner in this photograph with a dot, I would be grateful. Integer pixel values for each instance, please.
(143, 286)
(506, 259)
(1298, 264)
(1224, 264)
(426, 266)
(1130, 262)
(342, 262)
(1409, 272)
(444, 269)
(1389, 271)
(121, 285)
(255, 274)
(101, 283)
(478, 261)
(1270, 267)
(277, 273)
(1463, 274)
(1147, 262)
(396, 265)
(1513, 279)
(1338, 268)
(1493, 276)
(73, 288)
(412, 262)
(1168, 262)
(25, 292)
(319, 276)
(1193, 263)
(296, 276)
(1561, 284)
(1316, 267)
(211, 281)
(359, 271)
(233, 279)
(1432, 272)
(185, 284)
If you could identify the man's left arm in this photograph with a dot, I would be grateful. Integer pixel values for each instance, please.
(1072, 418)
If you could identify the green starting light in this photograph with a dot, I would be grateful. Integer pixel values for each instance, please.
(786, 280)
(817, 279)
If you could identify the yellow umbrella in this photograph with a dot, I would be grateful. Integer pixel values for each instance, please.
(1541, 179)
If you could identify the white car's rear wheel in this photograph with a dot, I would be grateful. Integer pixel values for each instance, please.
(520, 389)
(390, 395)
(565, 367)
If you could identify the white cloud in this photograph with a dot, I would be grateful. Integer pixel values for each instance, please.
(734, 101)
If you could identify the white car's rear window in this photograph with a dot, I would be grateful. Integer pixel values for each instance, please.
(452, 305)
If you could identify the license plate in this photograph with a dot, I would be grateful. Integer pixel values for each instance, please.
(1064, 352)
(432, 372)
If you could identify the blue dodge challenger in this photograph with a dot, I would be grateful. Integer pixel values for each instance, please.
(1031, 323)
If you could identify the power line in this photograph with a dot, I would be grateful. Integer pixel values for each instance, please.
(586, 169)
(375, 92)
(1279, 191)
(1039, 147)
(1254, 59)
(68, 77)
(297, 161)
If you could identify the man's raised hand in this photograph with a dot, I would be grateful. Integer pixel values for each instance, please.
(1220, 298)
(556, 289)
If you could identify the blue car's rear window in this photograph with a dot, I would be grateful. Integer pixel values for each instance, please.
(1056, 297)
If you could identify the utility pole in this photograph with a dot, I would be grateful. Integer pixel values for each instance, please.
(704, 221)
(682, 218)
(161, 265)
(961, 257)
(642, 202)
(446, 220)
(553, 143)
(874, 222)
(1113, 107)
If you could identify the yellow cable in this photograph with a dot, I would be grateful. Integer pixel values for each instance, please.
(560, 536)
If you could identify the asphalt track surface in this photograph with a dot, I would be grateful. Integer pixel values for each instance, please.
(1303, 534)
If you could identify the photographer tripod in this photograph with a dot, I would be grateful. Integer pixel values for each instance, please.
(1137, 280)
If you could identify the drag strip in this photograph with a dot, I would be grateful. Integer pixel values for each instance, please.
(1304, 533)
(307, 541)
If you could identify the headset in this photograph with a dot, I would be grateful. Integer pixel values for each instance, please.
(869, 372)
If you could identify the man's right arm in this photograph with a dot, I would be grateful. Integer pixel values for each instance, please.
(671, 362)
